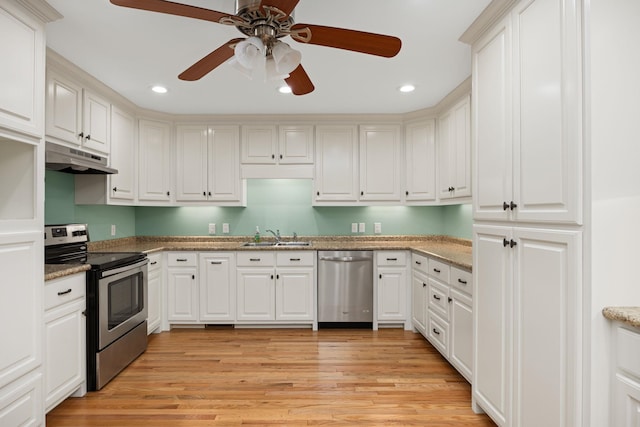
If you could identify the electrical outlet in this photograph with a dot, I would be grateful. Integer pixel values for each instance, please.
(377, 227)
(361, 228)
(113, 229)
(354, 227)
(225, 228)
(212, 228)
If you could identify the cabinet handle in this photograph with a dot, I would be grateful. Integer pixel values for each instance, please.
(424, 285)
(88, 138)
(209, 193)
(168, 193)
(317, 193)
(294, 259)
(362, 193)
(115, 189)
(280, 156)
(418, 263)
(436, 297)
(449, 300)
(273, 156)
(254, 259)
(392, 259)
(512, 205)
(181, 260)
(193, 277)
(68, 291)
(216, 262)
(435, 331)
(380, 276)
(464, 282)
(505, 206)
(406, 193)
(272, 277)
(81, 134)
(204, 193)
(512, 243)
(277, 277)
(505, 242)
(452, 188)
(436, 270)
(154, 262)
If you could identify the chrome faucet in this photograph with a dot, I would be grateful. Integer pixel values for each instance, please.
(276, 234)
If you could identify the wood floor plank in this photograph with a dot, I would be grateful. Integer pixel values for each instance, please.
(283, 377)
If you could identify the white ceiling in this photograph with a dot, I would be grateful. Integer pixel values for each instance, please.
(131, 50)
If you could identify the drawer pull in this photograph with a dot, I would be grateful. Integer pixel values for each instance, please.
(294, 259)
(392, 259)
(68, 291)
(435, 331)
(216, 262)
(436, 297)
(418, 263)
(181, 260)
(464, 282)
(154, 262)
(254, 259)
(436, 270)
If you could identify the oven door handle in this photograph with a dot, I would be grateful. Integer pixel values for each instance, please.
(115, 271)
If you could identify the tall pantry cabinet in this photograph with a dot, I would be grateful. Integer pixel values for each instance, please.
(22, 76)
(527, 152)
(556, 202)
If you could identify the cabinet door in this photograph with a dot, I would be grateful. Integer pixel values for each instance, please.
(255, 294)
(392, 293)
(259, 144)
(192, 169)
(419, 301)
(492, 145)
(461, 343)
(295, 144)
(420, 160)
(22, 47)
(123, 155)
(336, 164)
(65, 346)
(182, 298)
(21, 403)
(380, 162)
(96, 122)
(547, 112)
(63, 118)
(492, 305)
(154, 300)
(547, 348)
(224, 183)
(217, 287)
(454, 148)
(626, 409)
(294, 294)
(154, 160)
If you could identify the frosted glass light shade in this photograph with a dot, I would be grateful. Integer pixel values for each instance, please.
(271, 71)
(249, 52)
(286, 59)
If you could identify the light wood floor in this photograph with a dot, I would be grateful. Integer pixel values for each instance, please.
(285, 377)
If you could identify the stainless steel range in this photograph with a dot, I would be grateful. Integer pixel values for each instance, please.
(116, 300)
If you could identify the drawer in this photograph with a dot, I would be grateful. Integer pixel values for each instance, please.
(420, 263)
(63, 290)
(439, 270)
(256, 259)
(294, 259)
(439, 298)
(391, 258)
(461, 280)
(628, 349)
(438, 333)
(182, 259)
(155, 261)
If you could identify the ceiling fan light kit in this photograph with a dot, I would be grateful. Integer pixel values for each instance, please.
(264, 22)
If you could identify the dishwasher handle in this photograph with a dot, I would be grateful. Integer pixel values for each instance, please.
(343, 258)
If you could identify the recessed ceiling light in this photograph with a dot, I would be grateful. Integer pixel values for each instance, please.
(159, 89)
(407, 88)
(284, 89)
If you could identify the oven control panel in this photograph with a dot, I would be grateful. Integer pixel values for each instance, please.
(67, 233)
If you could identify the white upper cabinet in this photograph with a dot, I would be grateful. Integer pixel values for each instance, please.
(77, 116)
(380, 163)
(295, 144)
(208, 164)
(336, 164)
(454, 151)
(123, 155)
(154, 161)
(259, 144)
(420, 162)
(527, 135)
(22, 70)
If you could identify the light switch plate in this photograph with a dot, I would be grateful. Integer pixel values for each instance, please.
(354, 227)
(361, 228)
(225, 228)
(113, 229)
(212, 228)
(377, 227)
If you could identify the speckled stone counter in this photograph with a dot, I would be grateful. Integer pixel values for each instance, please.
(628, 315)
(56, 271)
(448, 249)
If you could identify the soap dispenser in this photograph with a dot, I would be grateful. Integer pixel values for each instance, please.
(256, 237)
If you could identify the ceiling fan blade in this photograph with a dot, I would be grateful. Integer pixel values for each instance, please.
(172, 8)
(341, 38)
(285, 6)
(299, 81)
(209, 62)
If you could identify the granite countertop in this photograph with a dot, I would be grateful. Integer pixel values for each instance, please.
(449, 249)
(628, 315)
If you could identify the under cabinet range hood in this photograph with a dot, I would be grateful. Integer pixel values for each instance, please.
(72, 160)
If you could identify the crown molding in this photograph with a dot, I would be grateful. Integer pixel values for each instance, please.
(41, 10)
(487, 19)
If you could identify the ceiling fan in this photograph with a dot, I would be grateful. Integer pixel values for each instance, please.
(264, 22)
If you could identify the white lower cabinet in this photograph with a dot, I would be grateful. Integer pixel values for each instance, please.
(391, 288)
(419, 292)
(217, 287)
(276, 286)
(182, 287)
(154, 293)
(21, 402)
(527, 325)
(626, 376)
(65, 339)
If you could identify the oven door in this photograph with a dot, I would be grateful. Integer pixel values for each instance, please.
(122, 301)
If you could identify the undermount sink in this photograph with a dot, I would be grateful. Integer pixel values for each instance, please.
(274, 244)
(257, 244)
(293, 244)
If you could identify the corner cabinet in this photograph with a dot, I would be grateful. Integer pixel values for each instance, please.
(420, 162)
(454, 151)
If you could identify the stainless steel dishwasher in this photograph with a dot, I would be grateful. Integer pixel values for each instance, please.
(345, 287)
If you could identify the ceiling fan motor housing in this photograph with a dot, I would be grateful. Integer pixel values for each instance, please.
(268, 24)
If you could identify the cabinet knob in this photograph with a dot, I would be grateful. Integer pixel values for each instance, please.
(193, 277)
(380, 276)
(88, 137)
(280, 156)
(512, 205)
(362, 193)
(273, 156)
(317, 193)
(81, 134)
(424, 285)
(505, 206)
(277, 277)
(204, 193)
(512, 243)
(505, 242)
(168, 193)
(449, 300)
(209, 193)
(406, 193)
(272, 277)
(115, 189)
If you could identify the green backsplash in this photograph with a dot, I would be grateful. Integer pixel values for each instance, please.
(277, 204)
